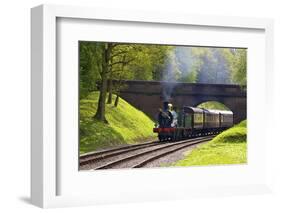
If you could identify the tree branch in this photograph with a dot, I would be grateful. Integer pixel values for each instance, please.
(119, 53)
(121, 62)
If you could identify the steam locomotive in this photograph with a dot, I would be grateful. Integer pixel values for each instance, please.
(191, 122)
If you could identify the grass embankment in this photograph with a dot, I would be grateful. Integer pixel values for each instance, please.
(126, 125)
(229, 147)
(213, 105)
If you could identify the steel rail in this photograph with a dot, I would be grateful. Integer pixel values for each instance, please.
(111, 153)
(166, 146)
(150, 159)
(89, 154)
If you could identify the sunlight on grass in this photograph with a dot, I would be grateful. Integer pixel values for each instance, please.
(229, 147)
(126, 124)
(213, 105)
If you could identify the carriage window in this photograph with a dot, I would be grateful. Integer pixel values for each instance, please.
(187, 120)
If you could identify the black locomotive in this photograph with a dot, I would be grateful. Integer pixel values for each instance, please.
(190, 122)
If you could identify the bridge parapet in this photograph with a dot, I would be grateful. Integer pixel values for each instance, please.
(156, 87)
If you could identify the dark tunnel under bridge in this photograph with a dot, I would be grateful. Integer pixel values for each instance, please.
(147, 96)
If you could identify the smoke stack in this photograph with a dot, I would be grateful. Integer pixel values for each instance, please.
(165, 105)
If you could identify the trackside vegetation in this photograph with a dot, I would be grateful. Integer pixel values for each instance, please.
(126, 125)
(213, 105)
(229, 147)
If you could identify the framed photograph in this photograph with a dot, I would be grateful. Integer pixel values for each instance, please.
(131, 106)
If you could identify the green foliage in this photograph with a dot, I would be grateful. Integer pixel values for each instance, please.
(89, 66)
(206, 65)
(213, 105)
(138, 61)
(179, 65)
(229, 147)
(150, 62)
(211, 65)
(125, 125)
(237, 62)
(242, 124)
(239, 67)
(236, 134)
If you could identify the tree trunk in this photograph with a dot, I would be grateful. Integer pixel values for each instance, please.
(100, 114)
(109, 99)
(116, 101)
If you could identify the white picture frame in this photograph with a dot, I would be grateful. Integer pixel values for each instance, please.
(44, 148)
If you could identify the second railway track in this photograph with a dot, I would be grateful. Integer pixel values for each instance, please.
(100, 155)
(135, 156)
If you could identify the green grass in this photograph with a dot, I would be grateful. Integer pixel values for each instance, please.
(126, 125)
(229, 147)
(213, 105)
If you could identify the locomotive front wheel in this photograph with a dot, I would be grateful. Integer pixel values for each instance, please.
(174, 136)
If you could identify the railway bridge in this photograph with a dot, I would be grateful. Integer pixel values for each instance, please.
(148, 96)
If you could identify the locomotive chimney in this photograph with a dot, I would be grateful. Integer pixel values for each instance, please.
(165, 105)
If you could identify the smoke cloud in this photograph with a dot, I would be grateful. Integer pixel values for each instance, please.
(194, 65)
(169, 76)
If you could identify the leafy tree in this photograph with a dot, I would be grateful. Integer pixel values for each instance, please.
(237, 62)
(187, 64)
(211, 65)
(89, 67)
(135, 61)
(119, 59)
(104, 72)
(119, 73)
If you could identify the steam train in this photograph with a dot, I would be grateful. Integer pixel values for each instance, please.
(190, 122)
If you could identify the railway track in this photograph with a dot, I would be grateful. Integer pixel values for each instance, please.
(135, 156)
(95, 156)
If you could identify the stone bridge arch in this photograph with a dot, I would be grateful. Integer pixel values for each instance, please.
(148, 96)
